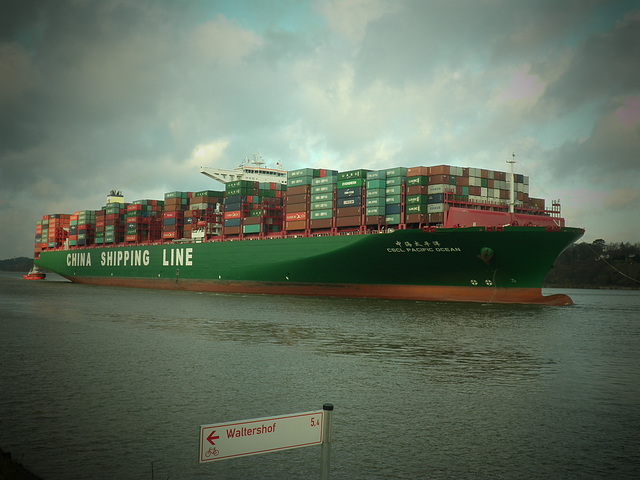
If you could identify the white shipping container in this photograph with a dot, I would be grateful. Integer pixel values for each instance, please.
(435, 208)
(440, 188)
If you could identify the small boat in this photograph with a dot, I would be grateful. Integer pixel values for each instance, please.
(34, 274)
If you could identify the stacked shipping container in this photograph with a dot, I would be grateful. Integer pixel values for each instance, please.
(253, 208)
(314, 201)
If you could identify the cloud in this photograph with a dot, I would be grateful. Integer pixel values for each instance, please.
(139, 95)
(603, 65)
(523, 86)
(622, 199)
(208, 155)
(351, 18)
(223, 42)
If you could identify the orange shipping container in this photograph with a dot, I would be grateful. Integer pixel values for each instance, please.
(233, 214)
(296, 216)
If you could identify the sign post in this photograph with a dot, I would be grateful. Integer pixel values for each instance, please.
(326, 441)
(222, 441)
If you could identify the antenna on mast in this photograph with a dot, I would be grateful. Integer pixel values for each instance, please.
(512, 185)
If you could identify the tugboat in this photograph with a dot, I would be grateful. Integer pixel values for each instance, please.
(34, 274)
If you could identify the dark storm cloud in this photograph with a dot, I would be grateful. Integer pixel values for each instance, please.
(604, 65)
(87, 72)
(603, 72)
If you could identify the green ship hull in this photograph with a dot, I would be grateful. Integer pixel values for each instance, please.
(503, 265)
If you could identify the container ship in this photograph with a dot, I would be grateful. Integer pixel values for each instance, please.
(432, 233)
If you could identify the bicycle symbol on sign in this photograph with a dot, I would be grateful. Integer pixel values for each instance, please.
(212, 451)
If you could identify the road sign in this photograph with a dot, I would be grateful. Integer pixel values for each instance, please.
(260, 435)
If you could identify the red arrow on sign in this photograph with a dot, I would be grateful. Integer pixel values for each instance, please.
(211, 438)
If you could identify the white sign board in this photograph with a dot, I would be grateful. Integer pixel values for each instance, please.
(260, 435)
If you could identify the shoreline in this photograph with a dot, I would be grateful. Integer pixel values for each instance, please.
(10, 469)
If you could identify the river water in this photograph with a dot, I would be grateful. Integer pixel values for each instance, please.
(106, 383)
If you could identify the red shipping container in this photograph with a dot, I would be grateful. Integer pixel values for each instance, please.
(134, 208)
(374, 220)
(296, 207)
(100, 223)
(417, 218)
(440, 170)
(322, 223)
(171, 234)
(301, 198)
(348, 221)
(297, 225)
(438, 179)
(417, 171)
(174, 214)
(349, 211)
(417, 190)
(298, 190)
(232, 230)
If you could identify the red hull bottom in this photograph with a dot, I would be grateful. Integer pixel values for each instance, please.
(34, 276)
(393, 292)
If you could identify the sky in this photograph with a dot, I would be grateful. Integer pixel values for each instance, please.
(137, 95)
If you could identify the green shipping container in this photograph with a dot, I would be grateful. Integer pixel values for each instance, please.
(376, 201)
(374, 211)
(320, 214)
(322, 188)
(324, 181)
(296, 181)
(302, 172)
(321, 197)
(392, 219)
(324, 205)
(375, 192)
(417, 199)
(351, 183)
(419, 180)
(376, 183)
(394, 190)
(396, 172)
(376, 174)
(418, 208)
(361, 173)
(394, 181)
(251, 228)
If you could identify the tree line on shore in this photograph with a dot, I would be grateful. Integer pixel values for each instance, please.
(597, 265)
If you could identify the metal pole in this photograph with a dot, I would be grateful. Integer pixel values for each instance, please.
(326, 441)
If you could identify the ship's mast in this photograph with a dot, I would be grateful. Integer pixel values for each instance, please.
(512, 201)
